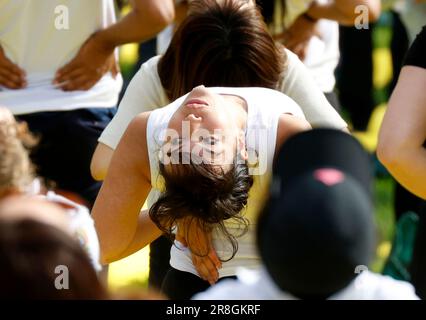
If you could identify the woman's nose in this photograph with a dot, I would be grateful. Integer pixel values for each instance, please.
(193, 118)
(201, 89)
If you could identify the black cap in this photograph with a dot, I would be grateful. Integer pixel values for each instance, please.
(318, 225)
(324, 148)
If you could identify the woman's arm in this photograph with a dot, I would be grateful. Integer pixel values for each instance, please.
(288, 126)
(403, 132)
(117, 208)
(146, 232)
(100, 161)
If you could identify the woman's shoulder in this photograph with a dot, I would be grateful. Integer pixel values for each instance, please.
(288, 126)
(268, 102)
(148, 71)
(137, 127)
(134, 145)
(258, 95)
(152, 63)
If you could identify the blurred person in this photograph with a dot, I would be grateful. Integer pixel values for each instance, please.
(316, 234)
(402, 151)
(203, 164)
(410, 17)
(58, 72)
(311, 30)
(17, 178)
(31, 252)
(355, 85)
(219, 44)
(402, 146)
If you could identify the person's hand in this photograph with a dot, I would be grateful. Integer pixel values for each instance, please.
(296, 38)
(204, 256)
(11, 76)
(92, 61)
(6, 116)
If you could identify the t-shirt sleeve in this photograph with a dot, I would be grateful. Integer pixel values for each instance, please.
(144, 93)
(416, 56)
(298, 84)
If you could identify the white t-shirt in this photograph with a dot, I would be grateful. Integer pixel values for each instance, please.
(145, 93)
(42, 36)
(81, 227)
(258, 285)
(322, 54)
(264, 107)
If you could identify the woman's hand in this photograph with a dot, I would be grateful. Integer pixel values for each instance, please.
(204, 255)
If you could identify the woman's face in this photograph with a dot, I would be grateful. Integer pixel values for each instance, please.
(204, 128)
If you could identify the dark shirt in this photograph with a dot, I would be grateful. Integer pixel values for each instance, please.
(416, 56)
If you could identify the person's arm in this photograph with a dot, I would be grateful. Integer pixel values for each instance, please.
(298, 83)
(100, 161)
(344, 11)
(144, 93)
(181, 11)
(146, 232)
(116, 212)
(296, 38)
(96, 56)
(147, 18)
(403, 132)
(289, 126)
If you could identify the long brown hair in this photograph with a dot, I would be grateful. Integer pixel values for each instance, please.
(203, 196)
(221, 44)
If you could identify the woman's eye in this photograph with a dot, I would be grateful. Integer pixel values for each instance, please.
(176, 141)
(210, 140)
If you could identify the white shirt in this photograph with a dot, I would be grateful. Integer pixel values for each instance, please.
(322, 54)
(145, 93)
(258, 285)
(264, 107)
(81, 227)
(35, 36)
